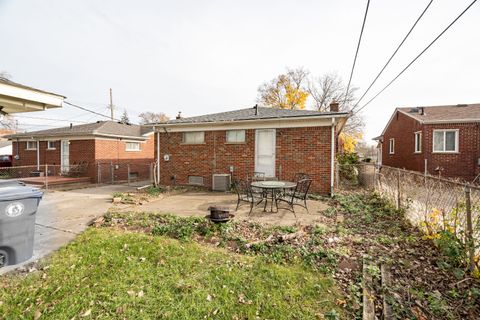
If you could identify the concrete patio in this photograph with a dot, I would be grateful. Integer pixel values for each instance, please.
(194, 203)
(62, 215)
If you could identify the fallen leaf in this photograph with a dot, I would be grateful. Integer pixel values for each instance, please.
(87, 313)
(37, 315)
(209, 298)
(140, 293)
(131, 292)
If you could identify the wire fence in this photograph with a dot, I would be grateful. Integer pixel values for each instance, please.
(113, 173)
(433, 204)
(59, 176)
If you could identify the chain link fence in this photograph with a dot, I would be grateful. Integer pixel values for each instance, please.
(47, 176)
(113, 173)
(433, 204)
(56, 176)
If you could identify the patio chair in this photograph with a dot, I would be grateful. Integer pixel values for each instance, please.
(245, 194)
(300, 176)
(258, 176)
(298, 197)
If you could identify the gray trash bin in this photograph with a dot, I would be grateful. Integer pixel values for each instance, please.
(18, 206)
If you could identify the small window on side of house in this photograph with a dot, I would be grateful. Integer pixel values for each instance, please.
(391, 146)
(445, 141)
(51, 145)
(31, 145)
(132, 146)
(418, 142)
(194, 137)
(235, 136)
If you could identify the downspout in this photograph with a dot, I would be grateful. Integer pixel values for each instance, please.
(38, 155)
(158, 157)
(332, 159)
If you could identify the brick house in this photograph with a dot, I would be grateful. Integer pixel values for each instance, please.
(277, 142)
(441, 140)
(106, 143)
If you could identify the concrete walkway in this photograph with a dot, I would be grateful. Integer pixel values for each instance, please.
(64, 214)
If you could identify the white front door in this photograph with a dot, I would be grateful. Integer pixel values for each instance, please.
(65, 155)
(265, 151)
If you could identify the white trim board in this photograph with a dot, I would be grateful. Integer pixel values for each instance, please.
(277, 123)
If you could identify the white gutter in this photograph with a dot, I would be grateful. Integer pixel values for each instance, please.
(332, 159)
(264, 120)
(158, 157)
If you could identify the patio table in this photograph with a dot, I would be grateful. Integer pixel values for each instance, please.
(271, 189)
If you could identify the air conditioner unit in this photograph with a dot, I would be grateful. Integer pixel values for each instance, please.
(221, 182)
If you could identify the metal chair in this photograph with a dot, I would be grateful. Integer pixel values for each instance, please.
(258, 176)
(300, 176)
(298, 197)
(245, 194)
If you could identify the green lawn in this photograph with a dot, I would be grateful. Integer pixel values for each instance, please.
(110, 274)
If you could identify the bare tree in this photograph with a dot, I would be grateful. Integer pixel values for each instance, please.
(152, 117)
(5, 75)
(329, 88)
(286, 91)
(8, 122)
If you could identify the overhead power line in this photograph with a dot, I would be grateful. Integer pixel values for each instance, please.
(393, 55)
(418, 56)
(356, 52)
(49, 119)
(88, 110)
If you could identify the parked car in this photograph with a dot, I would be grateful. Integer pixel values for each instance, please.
(5, 160)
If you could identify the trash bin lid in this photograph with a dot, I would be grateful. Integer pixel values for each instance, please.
(14, 190)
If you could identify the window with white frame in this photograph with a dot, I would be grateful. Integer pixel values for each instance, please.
(391, 146)
(197, 137)
(51, 145)
(445, 140)
(418, 142)
(31, 145)
(132, 146)
(235, 136)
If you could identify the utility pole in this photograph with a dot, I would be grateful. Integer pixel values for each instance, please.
(111, 106)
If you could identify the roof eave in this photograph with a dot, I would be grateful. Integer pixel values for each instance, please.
(303, 117)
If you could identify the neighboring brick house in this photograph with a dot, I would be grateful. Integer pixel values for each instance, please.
(441, 140)
(103, 142)
(277, 142)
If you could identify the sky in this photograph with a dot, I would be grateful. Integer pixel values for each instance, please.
(210, 56)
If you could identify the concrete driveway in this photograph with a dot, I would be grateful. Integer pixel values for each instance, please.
(64, 214)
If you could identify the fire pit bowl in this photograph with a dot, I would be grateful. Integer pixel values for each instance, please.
(219, 214)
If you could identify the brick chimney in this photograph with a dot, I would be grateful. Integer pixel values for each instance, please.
(334, 106)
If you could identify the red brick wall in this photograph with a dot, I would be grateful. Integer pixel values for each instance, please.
(297, 150)
(402, 129)
(305, 150)
(462, 165)
(92, 151)
(108, 152)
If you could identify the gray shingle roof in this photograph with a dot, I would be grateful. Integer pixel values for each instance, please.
(105, 128)
(249, 114)
(448, 113)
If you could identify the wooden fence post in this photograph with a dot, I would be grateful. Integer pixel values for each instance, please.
(469, 231)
